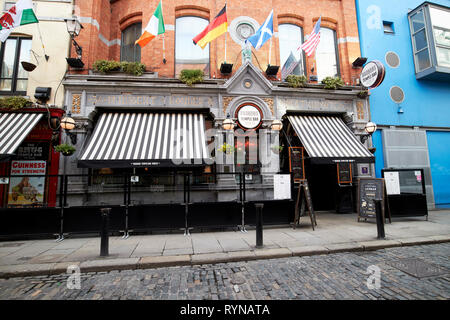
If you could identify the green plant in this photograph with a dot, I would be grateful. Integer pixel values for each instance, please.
(363, 94)
(105, 66)
(135, 68)
(295, 81)
(65, 149)
(332, 82)
(15, 102)
(226, 148)
(277, 149)
(191, 76)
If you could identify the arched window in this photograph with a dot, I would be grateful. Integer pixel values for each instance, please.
(326, 54)
(187, 54)
(129, 51)
(291, 37)
(14, 79)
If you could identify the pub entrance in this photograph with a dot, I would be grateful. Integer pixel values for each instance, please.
(322, 180)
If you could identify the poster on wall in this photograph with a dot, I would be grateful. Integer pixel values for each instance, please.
(392, 181)
(27, 183)
(281, 186)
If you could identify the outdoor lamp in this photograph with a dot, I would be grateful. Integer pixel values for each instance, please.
(73, 27)
(68, 124)
(370, 129)
(228, 123)
(277, 125)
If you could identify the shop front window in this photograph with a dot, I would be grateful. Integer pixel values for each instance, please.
(187, 54)
(14, 79)
(290, 36)
(326, 55)
(128, 50)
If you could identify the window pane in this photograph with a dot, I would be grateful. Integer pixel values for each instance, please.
(25, 48)
(8, 58)
(290, 38)
(440, 18)
(326, 55)
(420, 40)
(21, 85)
(442, 36)
(187, 54)
(417, 21)
(5, 85)
(422, 60)
(130, 52)
(443, 57)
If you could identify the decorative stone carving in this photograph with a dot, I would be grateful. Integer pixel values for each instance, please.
(360, 110)
(226, 102)
(269, 102)
(76, 103)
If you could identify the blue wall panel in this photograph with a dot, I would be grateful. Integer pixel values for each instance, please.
(377, 142)
(438, 149)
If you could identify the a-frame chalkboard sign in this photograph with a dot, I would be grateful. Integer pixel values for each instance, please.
(304, 199)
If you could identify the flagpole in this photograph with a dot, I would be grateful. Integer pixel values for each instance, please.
(163, 38)
(43, 47)
(226, 37)
(270, 49)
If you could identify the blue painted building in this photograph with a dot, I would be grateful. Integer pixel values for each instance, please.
(412, 106)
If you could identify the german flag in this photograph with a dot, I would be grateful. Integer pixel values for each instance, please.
(213, 30)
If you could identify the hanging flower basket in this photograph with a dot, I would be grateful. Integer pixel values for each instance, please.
(66, 149)
(226, 148)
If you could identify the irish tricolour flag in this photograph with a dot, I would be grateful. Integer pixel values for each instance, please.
(20, 14)
(154, 27)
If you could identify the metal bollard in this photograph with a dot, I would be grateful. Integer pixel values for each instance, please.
(380, 220)
(104, 232)
(259, 225)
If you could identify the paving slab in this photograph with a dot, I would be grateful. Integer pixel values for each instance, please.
(233, 244)
(308, 251)
(344, 247)
(175, 252)
(109, 264)
(272, 253)
(208, 258)
(416, 241)
(163, 261)
(24, 270)
(235, 256)
(379, 244)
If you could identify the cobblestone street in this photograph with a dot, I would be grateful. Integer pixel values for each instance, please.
(332, 276)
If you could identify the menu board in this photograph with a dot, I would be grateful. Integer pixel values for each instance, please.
(344, 171)
(296, 163)
(369, 189)
(392, 182)
(281, 186)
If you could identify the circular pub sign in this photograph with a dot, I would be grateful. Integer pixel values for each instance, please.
(249, 116)
(372, 75)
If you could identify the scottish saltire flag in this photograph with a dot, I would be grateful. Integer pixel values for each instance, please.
(289, 66)
(21, 13)
(263, 34)
(313, 41)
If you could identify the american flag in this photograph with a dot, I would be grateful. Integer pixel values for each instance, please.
(289, 66)
(313, 41)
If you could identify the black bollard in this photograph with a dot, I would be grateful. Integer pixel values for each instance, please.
(104, 232)
(380, 220)
(259, 225)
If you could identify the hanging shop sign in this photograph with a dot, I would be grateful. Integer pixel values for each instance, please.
(27, 183)
(249, 116)
(372, 75)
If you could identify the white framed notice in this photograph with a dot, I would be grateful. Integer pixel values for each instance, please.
(392, 182)
(281, 186)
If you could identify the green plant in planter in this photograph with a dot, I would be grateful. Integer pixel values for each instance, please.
(190, 77)
(277, 149)
(226, 148)
(105, 66)
(15, 103)
(295, 81)
(363, 94)
(65, 149)
(332, 82)
(135, 68)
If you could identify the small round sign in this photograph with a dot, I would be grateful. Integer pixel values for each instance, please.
(372, 75)
(249, 116)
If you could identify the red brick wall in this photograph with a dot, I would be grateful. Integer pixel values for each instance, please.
(114, 16)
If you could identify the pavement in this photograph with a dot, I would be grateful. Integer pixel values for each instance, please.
(335, 233)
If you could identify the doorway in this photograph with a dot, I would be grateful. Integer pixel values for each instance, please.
(322, 180)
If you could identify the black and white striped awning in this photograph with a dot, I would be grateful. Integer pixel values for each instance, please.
(122, 140)
(328, 140)
(14, 128)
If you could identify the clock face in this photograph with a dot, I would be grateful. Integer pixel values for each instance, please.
(244, 30)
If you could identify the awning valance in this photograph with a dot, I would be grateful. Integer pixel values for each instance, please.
(122, 140)
(328, 140)
(14, 128)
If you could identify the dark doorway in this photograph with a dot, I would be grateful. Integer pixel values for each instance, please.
(322, 180)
